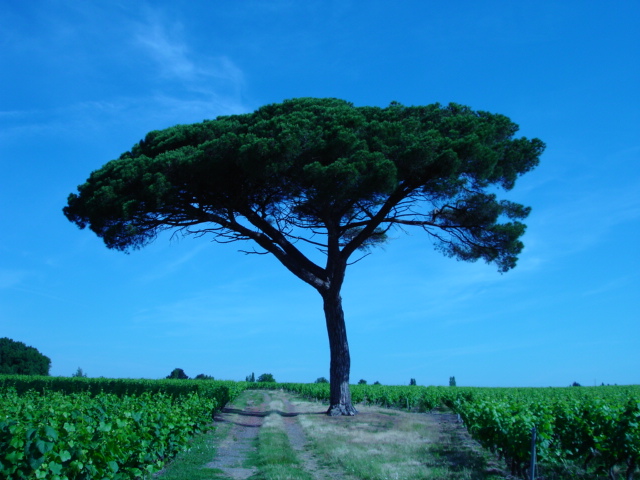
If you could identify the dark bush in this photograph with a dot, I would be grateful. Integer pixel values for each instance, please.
(16, 358)
(178, 373)
(266, 377)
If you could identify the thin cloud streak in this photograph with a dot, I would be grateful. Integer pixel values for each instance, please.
(164, 42)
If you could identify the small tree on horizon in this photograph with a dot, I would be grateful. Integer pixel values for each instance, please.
(178, 373)
(412, 381)
(321, 380)
(79, 373)
(452, 381)
(251, 378)
(320, 174)
(266, 377)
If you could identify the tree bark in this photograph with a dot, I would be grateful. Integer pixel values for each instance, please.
(340, 398)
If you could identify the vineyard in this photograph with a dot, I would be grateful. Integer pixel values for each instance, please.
(79, 428)
(66, 429)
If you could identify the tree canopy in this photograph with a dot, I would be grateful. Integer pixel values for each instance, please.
(319, 164)
(325, 174)
(178, 374)
(266, 377)
(19, 359)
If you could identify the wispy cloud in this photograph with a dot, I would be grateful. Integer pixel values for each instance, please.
(164, 42)
(169, 52)
(177, 80)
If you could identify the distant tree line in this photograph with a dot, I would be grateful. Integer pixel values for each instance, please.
(265, 377)
(178, 374)
(16, 358)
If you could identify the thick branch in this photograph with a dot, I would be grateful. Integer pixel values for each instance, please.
(369, 227)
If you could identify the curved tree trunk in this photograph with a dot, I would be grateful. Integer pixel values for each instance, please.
(340, 400)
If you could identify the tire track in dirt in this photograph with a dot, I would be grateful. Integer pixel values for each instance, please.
(299, 441)
(232, 452)
(238, 444)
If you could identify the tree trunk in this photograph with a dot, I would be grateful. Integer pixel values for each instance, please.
(340, 400)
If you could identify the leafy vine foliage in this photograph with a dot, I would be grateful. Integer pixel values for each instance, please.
(79, 428)
(325, 174)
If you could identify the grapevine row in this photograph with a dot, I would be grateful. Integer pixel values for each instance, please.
(591, 434)
(51, 434)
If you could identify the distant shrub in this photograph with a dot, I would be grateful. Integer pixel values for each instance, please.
(178, 373)
(412, 381)
(266, 377)
(250, 378)
(202, 376)
(79, 373)
(321, 380)
(362, 381)
(377, 383)
(452, 381)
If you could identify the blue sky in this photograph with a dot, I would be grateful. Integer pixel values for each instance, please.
(82, 82)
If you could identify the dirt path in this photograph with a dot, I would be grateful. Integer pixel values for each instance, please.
(233, 451)
(444, 443)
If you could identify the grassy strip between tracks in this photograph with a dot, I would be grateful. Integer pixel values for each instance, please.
(275, 458)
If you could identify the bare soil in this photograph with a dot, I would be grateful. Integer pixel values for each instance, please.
(233, 451)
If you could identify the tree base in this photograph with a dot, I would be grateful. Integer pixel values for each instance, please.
(341, 409)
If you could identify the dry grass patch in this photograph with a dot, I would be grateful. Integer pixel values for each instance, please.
(380, 444)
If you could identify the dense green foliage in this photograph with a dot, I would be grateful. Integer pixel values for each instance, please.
(178, 374)
(222, 390)
(266, 377)
(54, 435)
(321, 164)
(78, 428)
(17, 358)
(596, 428)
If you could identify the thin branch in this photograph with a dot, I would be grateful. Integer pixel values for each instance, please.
(254, 252)
(356, 261)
